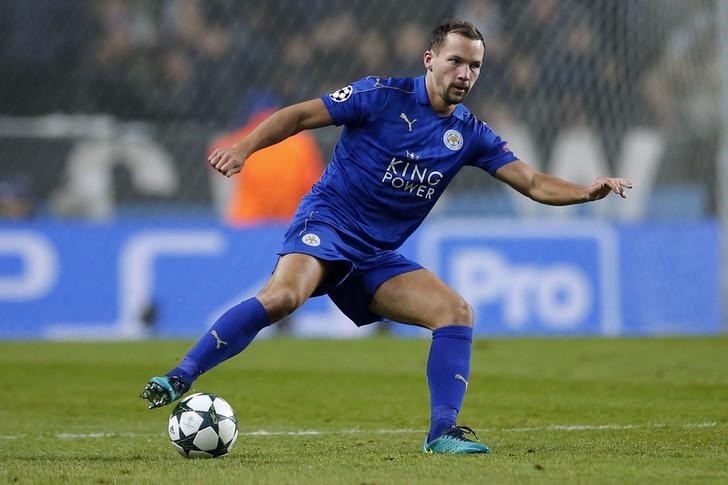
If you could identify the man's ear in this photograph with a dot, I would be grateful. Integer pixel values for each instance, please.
(428, 60)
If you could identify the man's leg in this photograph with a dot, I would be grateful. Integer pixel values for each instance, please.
(421, 298)
(295, 278)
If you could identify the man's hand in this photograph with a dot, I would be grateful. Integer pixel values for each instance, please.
(227, 161)
(603, 185)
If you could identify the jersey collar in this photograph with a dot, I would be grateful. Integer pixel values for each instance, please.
(422, 98)
(421, 91)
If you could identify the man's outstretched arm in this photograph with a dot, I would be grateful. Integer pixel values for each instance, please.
(551, 190)
(276, 128)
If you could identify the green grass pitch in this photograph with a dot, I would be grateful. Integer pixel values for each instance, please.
(355, 412)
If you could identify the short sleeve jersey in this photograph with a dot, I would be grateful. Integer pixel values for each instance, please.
(394, 158)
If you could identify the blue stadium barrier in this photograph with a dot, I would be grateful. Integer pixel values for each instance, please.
(172, 278)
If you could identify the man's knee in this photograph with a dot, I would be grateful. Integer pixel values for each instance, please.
(463, 314)
(280, 302)
(456, 313)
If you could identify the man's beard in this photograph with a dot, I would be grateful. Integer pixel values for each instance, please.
(453, 99)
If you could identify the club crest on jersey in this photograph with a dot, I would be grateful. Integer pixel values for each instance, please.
(311, 239)
(342, 94)
(453, 140)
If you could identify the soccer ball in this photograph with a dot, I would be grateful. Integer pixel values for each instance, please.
(203, 425)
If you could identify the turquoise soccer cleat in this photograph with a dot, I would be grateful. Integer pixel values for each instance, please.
(161, 391)
(454, 442)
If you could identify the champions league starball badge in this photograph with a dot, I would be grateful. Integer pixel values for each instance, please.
(341, 94)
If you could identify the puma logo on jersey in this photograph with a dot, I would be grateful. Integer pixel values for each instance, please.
(220, 342)
(461, 378)
(406, 120)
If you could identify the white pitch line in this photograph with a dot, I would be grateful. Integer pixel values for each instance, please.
(593, 427)
(554, 427)
(85, 435)
(708, 424)
(127, 434)
(341, 431)
(247, 433)
(551, 428)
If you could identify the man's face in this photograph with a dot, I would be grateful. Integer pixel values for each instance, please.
(455, 67)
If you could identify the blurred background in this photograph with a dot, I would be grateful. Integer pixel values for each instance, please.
(113, 226)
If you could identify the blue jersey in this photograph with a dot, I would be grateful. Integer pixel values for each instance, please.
(394, 159)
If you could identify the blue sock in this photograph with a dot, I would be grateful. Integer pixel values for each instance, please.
(448, 371)
(230, 334)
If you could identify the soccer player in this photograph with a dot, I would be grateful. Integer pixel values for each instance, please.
(403, 142)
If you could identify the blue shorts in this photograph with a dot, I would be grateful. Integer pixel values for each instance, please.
(358, 271)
